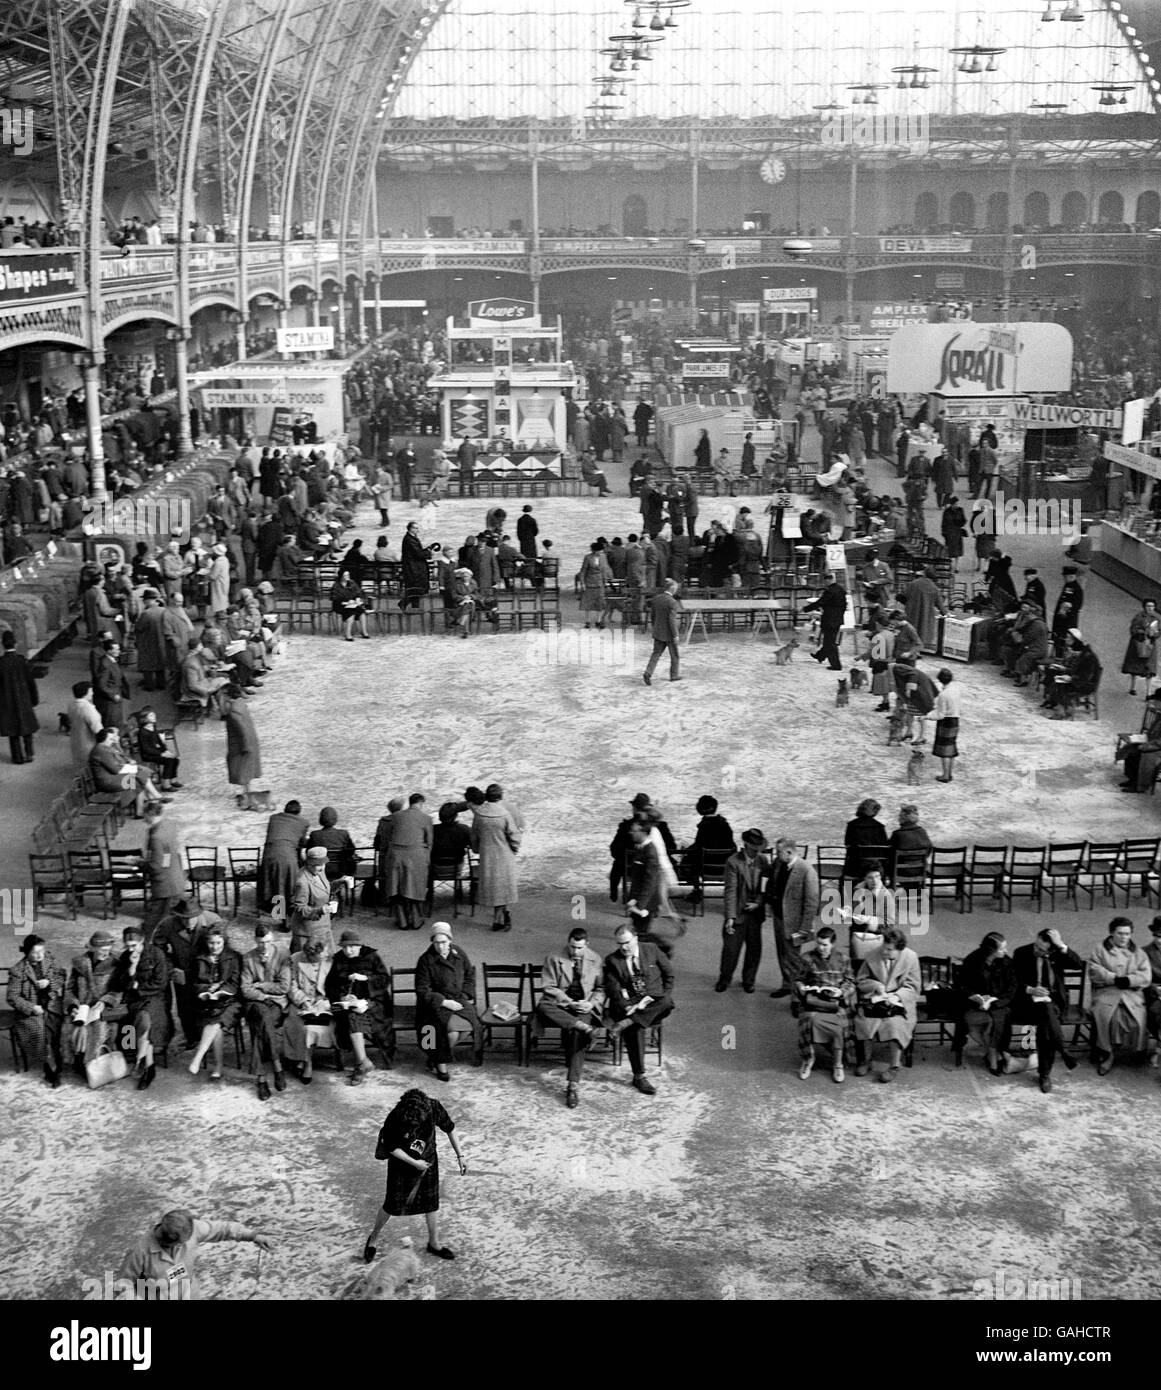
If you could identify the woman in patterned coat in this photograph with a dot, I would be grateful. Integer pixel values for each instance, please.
(36, 992)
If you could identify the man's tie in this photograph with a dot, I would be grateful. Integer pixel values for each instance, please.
(576, 989)
(1044, 971)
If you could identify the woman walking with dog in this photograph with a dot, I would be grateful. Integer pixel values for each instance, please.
(407, 1142)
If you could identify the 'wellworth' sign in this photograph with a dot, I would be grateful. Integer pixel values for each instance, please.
(981, 360)
(488, 313)
(1065, 417)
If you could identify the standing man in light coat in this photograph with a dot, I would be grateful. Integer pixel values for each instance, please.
(793, 895)
(744, 912)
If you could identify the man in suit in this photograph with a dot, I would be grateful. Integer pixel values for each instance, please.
(18, 696)
(1041, 996)
(643, 881)
(571, 999)
(666, 607)
(141, 977)
(832, 607)
(793, 896)
(744, 912)
(639, 988)
(266, 988)
(162, 861)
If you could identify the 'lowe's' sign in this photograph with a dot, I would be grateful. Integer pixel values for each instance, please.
(502, 313)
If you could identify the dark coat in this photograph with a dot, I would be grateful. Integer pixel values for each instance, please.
(415, 575)
(864, 832)
(655, 967)
(243, 759)
(18, 697)
(1026, 965)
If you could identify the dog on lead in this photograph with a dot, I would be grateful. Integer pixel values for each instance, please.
(783, 654)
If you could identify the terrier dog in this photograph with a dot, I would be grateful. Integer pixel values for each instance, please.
(915, 767)
(858, 678)
(899, 725)
(386, 1277)
(842, 695)
(783, 654)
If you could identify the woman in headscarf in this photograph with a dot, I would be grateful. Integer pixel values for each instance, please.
(36, 993)
(407, 1141)
(445, 990)
(310, 903)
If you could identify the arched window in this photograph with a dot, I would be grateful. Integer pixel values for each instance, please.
(634, 216)
(961, 211)
(1074, 209)
(1149, 209)
(1036, 210)
(1111, 207)
(997, 218)
(926, 211)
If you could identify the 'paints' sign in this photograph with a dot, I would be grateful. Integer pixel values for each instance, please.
(960, 360)
(487, 313)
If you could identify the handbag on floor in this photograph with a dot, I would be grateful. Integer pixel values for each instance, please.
(107, 1066)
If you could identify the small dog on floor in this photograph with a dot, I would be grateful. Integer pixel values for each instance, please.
(386, 1277)
(66, 724)
(899, 725)
(858, 678)
(783, 653)
(915, 767)
(842, 695)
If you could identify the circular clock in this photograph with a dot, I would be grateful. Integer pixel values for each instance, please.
(773, 170)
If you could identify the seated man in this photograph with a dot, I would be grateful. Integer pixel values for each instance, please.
(592, 475)
(1118, 972)
(180, 936)
(141, 978)
(197, 681)
(639, 986)
(1042, 997)
(358, 985)
(310, 1019)
(1142, 752)
(266, 987)
(1079, 679)
(572, 997)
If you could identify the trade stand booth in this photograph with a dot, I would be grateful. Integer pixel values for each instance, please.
(1127, 550)
(266, 399)
(504, 390)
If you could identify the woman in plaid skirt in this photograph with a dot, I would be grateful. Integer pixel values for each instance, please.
(826, 1002)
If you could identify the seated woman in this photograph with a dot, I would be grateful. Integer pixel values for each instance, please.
(865, 839)
(218, 987)
(312, 903)
(91, 999)
(593, 475)
(445, 990)
(987, 983)
(358, 985)
(309, 1022)
(155, 751)
(825, 992)
(350, 603)
(36, 993)
(872, 912)
(889, 985)
(114, 772)
(1118, 972)
(464, 591)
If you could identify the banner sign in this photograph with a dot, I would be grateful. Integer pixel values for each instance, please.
(25, 277)
(1130, 458)
(925, 245)
(272, 394)
(790, 292)
(488, 313)
(304, 339)
(280, 426)
(976, 359)
(714, 370)
(420, 246)
(1065, 417)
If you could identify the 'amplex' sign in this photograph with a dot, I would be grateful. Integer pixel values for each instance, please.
(979, 359)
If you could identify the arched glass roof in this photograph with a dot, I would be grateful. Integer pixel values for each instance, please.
(510, 59)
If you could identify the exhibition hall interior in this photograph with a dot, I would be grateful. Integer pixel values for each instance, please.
(397, 398)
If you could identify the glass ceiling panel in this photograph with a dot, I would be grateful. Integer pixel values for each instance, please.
(745, 58)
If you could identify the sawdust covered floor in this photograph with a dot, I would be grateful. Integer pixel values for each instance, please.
(737, 1180)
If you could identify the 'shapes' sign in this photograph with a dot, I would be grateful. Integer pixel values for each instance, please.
(27, 275)
(490, 311)
(304, 339)
(957, 359)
